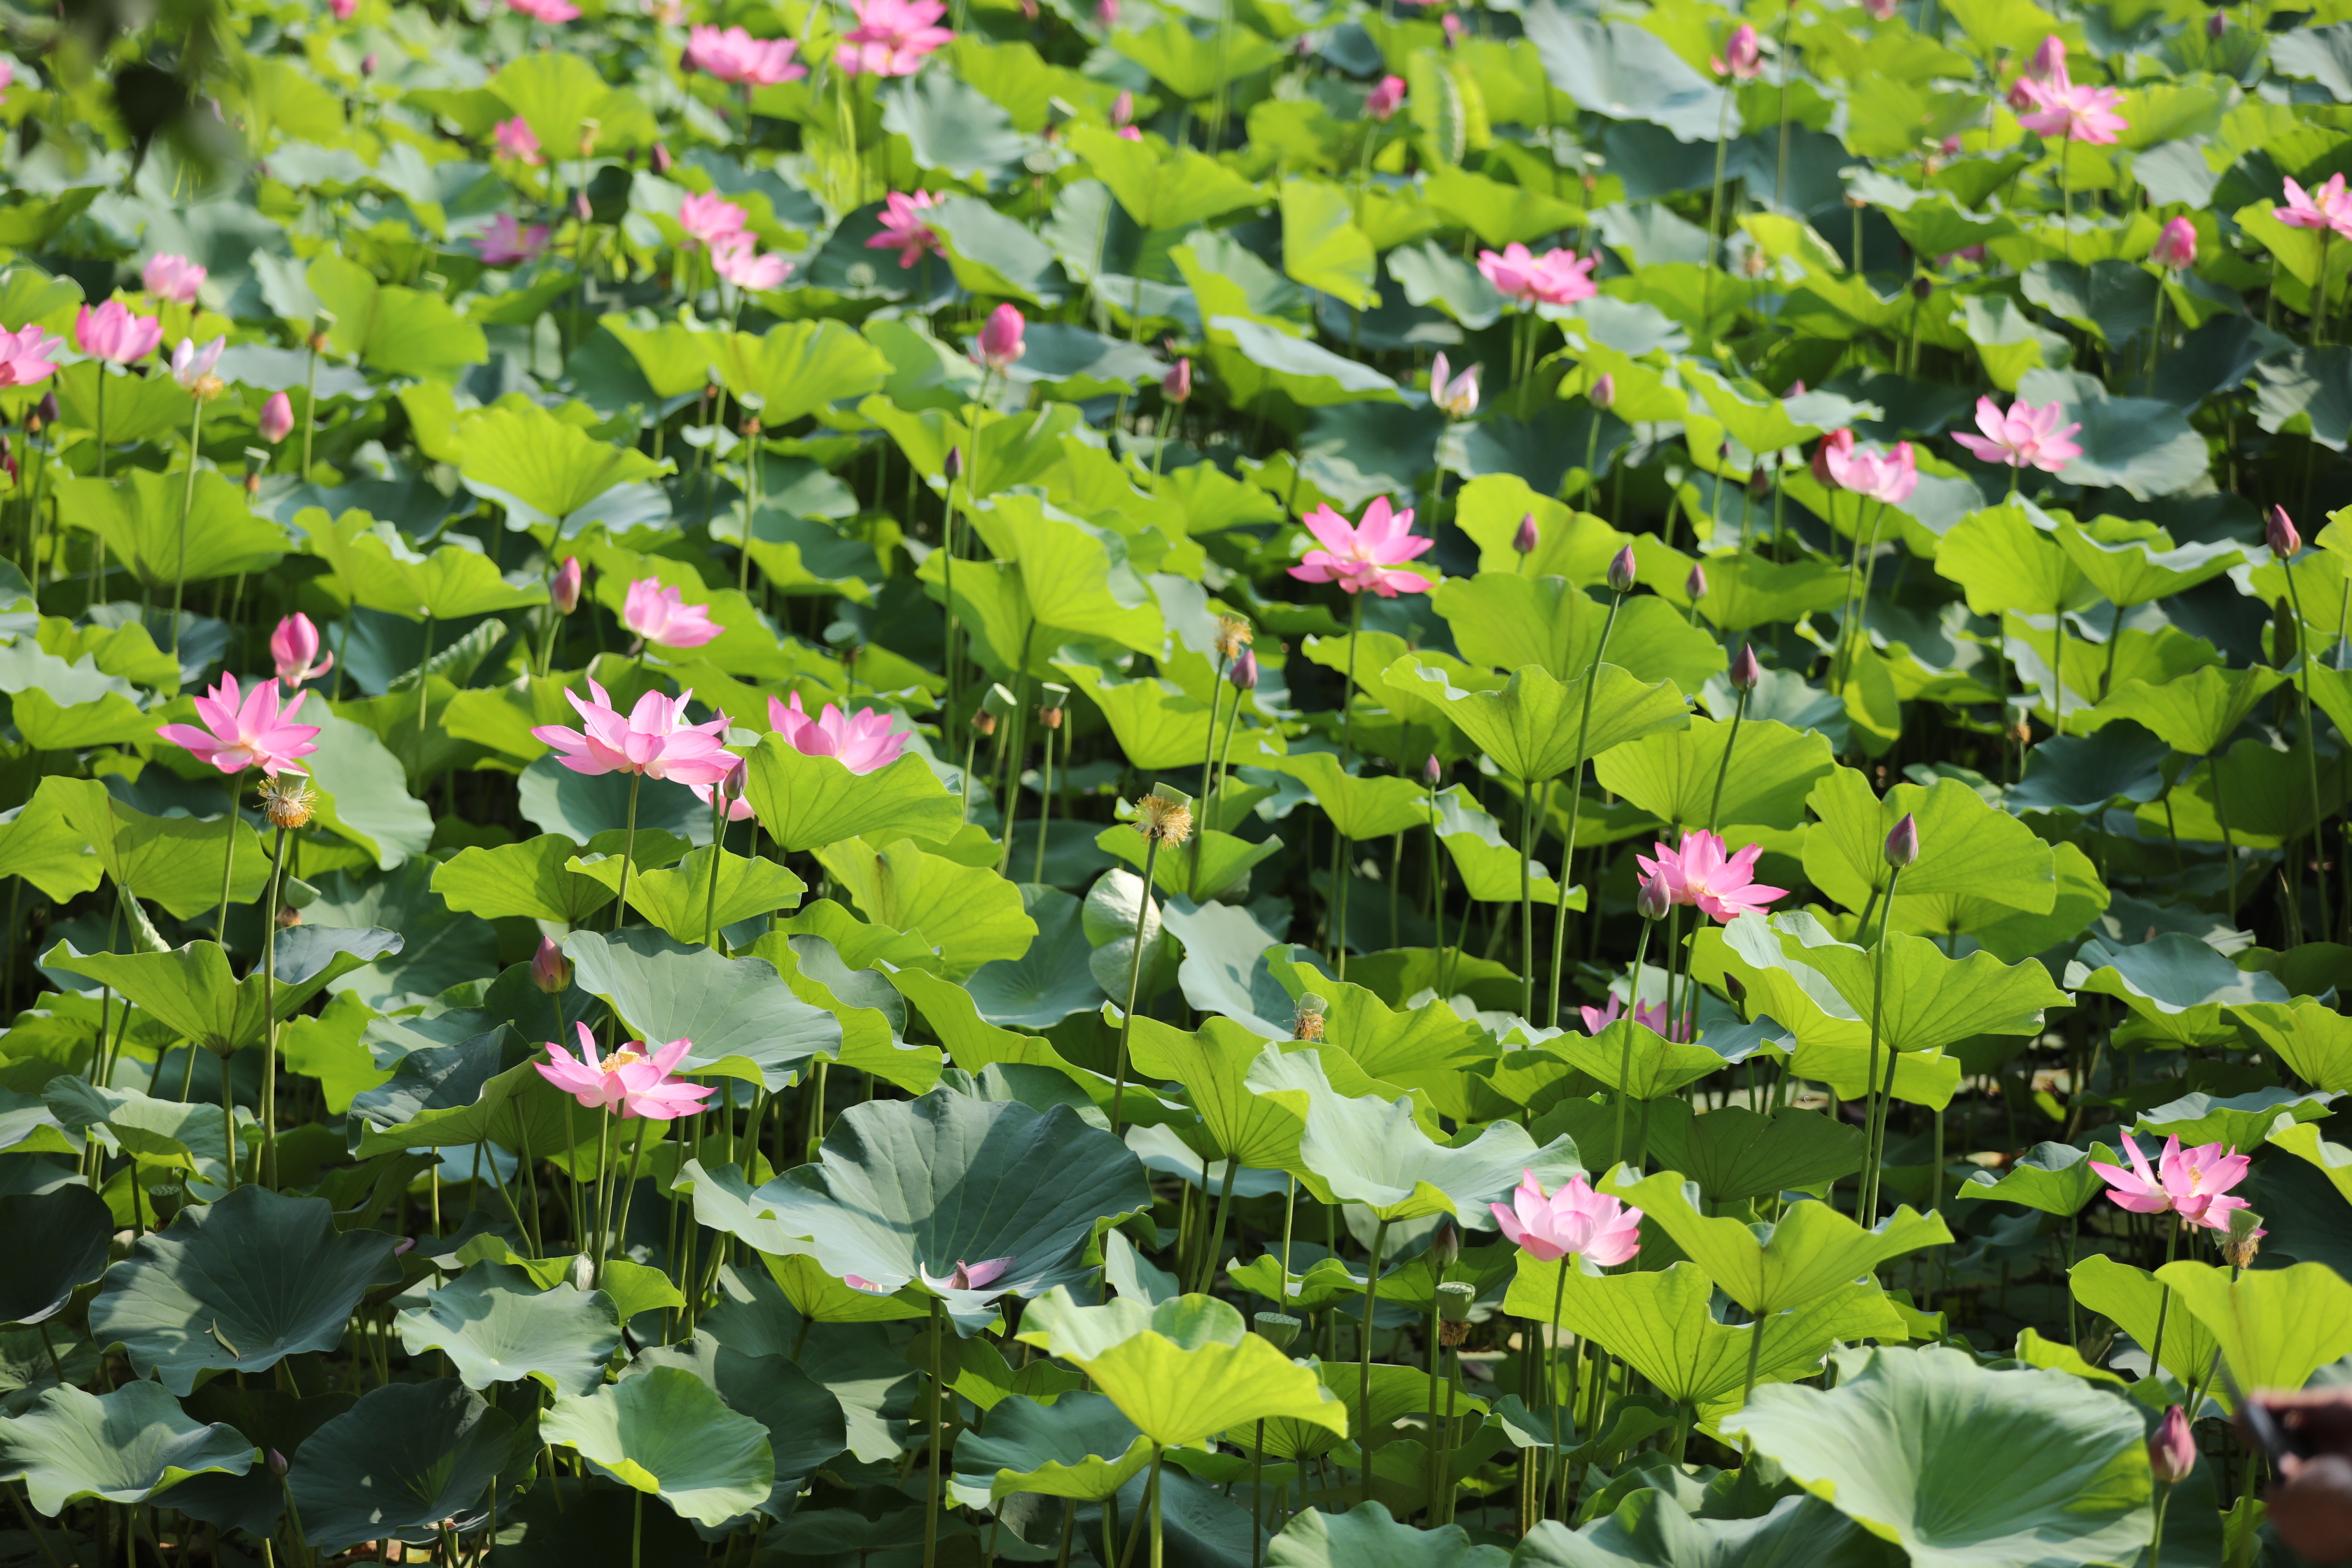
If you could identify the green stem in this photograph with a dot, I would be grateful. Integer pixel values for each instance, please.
(939, 1437)
(1575, 803)
(310, 411)
(1714, 222)
(1364, 1351)
(1755, 1354)
(2164, 1301)
(1217, 1227)
(228, 858)
(269, 1019)
(1874, 1115)
(1625, 1058)
(1551, 1355)
(228, 1120)
(1046, 798)
(628, 853)
(629, 1187)
(1134, 983)
(2155, 337)
(188, 505)
(718, 860)
(1723, 770)
(2310, 747)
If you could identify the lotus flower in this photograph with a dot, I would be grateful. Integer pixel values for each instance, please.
(2172, 1449)
(508, 243)
(1122, 117)
(662, 618)
(966, 1276)
(1458, 398)
(2327, 207)
(172, 278)
(903, 229)
(654, 738)
(1555, 277)
(1889, 476)
(729, 790)
(864, 740)
(546, 10)
(1385, 98)
(2073, 111)
(243, 731)
(1176, 385)
(112, 332)
(709, 217)
(737, 259)
(294, 649)
(276, 420)
(1743, 58)
(891, 36)
(1651, 1019)
(1575, 1221)
(2176, 247)
(564, 590)
(632, 1081)
(515, 139)
(2190, 1182)
(25, 356)
(1358, 556)
(999, 346)
(193, 366)
(2024, 437)
(1723, 889)
(735, 56)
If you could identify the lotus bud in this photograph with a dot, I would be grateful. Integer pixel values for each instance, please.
(1176, 386)
(1526, 539)
(1432, 772)
(278, 1465)
(1311, 1009)
(1903, 843)
(1603, 392)
(2176, 247)
(2215, 27)
(549, 970)
(2172, 1451)
(1445, 1245)
(1244, 674)
(2281, 535)
(1276, 1329)
(1454, 29)
(368, 64)
(1622, 570)
(1746, 670)
(1000, 345)
(565, 589)
(276, 420)
(1760, 482)
(1696, 583)
(45, 412)
(1655, 900)
(952, 467)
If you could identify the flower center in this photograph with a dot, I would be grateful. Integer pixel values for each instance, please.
(619, 1060)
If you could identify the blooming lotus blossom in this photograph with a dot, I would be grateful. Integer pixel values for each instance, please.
(633, 1081)
(113, 333)
(1385, 97)
(1699, 873)
(737, 259)
(1458, 398)
(735, 56)
(711, 217)
(662, 618)
(2190, 1182)
(864, 740)
(276, 419)
(2024, 437)
(653, 739)
(1575, 1221)
(1555, 277)
(193, 366)
(507, 243)
(243, 731)
(2325, 208)
(546, 10)
(25, 356)
(2073, 111)
(2176, 247)
(999, 346)
(172, 278)
(1742, 59)
(891, 36)
(1357, 556)
(515, 139)
(1651, 1019)
(1889, 476)
(903, 229)
(2046, 69)
(294, 650)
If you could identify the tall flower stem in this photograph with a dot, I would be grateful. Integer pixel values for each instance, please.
(938, 1439)
(228, 858)
(1625, 1058)
(1723, 771)
(629, 1186)
(717, 863)
(2310, 748)
(1046, 798)
(267, 1173)
(947, 660)
(1714, 222)
(1364, 1350)
(1134, 983)
(2155, 337)
(310, 407)
(628, 854)
(1874, 1115)
(1437, 893)
(1226, 751)
(1551, 1369)
(1348, 691)
(99, 434)
(1575, 801)
(2164, 1302)
(188, 505)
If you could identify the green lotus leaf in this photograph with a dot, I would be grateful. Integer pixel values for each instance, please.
(1488, 863)
(1431, 1049)
(1192, 66)
(1673, 776)
(2134, 570)
(1259, 1130)
(967, 914)
(974, 1044)
(237, 1284)
(1322, 248)
(159, 858)
(450, 1096)
(1169, 193)
(54, 1241)
(1053, 979)
(1968, 849)
(528, 879)
(362, 795)
(1574, 546)
(1251, 359)
(681, 900)
(2085, 773)
(1962, 1467)
(405, 1457)
(1357, 807)
(1158, 727)
(2135, 1299)
(123, 1446)
(1529, 728)
(44, 850)
(799, 367)
(192, 990)
(908, 1186)
(2177, 988)
(1617, 69)
(667, 1432)
(1078, 1446)
(139, 515)
(2275, 1327)
(1510, 621)
(1368, 1536)
(1074, 574)
(169, 1132)
(2314, 1041)
(544, 471)
(1660, 1321)
(1208, 863)
(807, 803)
(1635, 1059)
(563, 1521)
(1812, 1251)
(2055, 1178)
(743, 1024)
(2196, 714)
(804, 1422)
(1651, 1530)
(1373, 1151)
(1733, 1152)
(2333, 1161)
(497, 1324)
(2241, 1121)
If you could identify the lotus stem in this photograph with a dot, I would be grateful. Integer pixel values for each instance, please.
(1437, 1430)
(2229, 844)
(1874, 1111)
(2164, 1301)
(1046, 802)
(629, 1187)
(1755, 1354)
(228, 860)
(932, 1498)
(1217, 1226)
(637, 1529)
(1159, 1535)
(1134, 983)
(309, 408)
(1257, 1501)
(269, 1018)
(1714, 222)
(717, 861)
(98, 438)
(1551, 1376)
(1364, 1351)
(1723, 770)
(1575, 800)
(1437, 895)
(188, 505)
(2310, 749)
(604, 1188)
(1626, 1058)
(629, 851)
(1348, 689)
(1527, 896)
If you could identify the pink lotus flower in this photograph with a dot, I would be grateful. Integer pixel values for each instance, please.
(2328, 207)
(1882, 10)
(1555, 277)
(1743, 58)
(2046, 69)
(966, 1276)
(344, 10)
(2190, 1182)
(2176, 247)
(2072, 112)
(999, 346)
(709, 217)
(193, 366)
(508, 243)
(294, 649)
(546, 10)
(112, 332)
(903, 230)
(1651, 1019)
(1699, 873)
(738, 259)
(654, 738)
(1386, 97)
(515, 139)
(175, 278)
(1458, 398)
(1364, 556)
(661, 616)
(735, 56)
(1889, 476)
(276, 420)
(25, 356)
(2024, 437)
(1575, 1221)
(891, 36)
(1122, 117)
(730, 789)
(245, 732)
(632, 1081)
(864, 740)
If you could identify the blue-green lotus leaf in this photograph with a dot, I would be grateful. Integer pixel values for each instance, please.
(497, 1325)
(53, 1241)
(1650, 1530)
(745, 1023)
(405, 1457)
(667, 1432)
(123, 1446)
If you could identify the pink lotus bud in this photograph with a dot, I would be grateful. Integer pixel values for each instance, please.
(45, 412)
(1903, 843)
(2281, 534)
(1526, 539)
(1432, 772)
(294, 649)
(1452, 23)
(2172, 1451)
(1445, 1245)
(662, 161)
(1603, 393)
(549, 970)
(1655, 900)
(565, 590)
(1243, 671)
(1696, 583)
(1176, 386)
(1622, 570)
(999, 346)
(2048, 64)
(1122, 110)
(368, 64)
(1838, 441)
(1746, 670)
(276, 420)
(1743, 57)
(2215, 27)
(2176, 247)
(278, 1465)
(952, 469)
(1385, 98)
